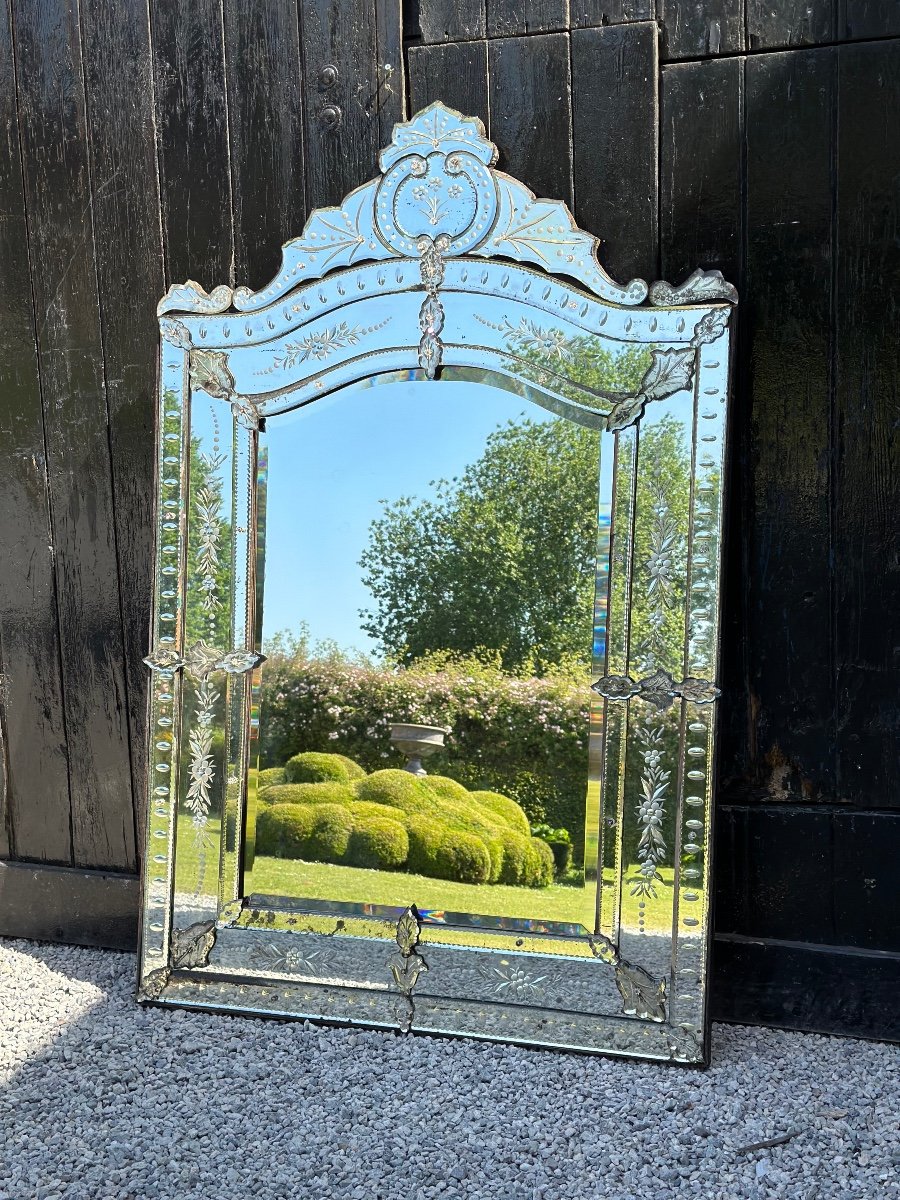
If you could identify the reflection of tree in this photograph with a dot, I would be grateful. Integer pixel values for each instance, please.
(576, 365)
(501, 559)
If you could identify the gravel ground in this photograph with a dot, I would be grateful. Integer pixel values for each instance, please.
(105, 1100)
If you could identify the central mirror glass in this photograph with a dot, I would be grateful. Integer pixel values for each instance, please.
(433, 560)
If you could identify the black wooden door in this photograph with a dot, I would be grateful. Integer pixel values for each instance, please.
(141, 148)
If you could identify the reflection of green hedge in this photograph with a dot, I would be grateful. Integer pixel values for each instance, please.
(392, 819)
(310, 793)
(271, 778)
(506, 808)
(377, 842)
(523, 738)
(312, 767)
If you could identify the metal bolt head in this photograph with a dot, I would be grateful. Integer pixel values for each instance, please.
(328, 76)
(330, 117)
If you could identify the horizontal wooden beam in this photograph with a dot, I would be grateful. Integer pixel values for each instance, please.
(795, 985)
(64, 904)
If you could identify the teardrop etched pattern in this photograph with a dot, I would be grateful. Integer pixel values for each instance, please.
(165, 686)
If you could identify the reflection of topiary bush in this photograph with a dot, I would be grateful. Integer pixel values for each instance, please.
(511, 813)
(378, 843)
(317, 832)
(330, 834)
(424, 839)
(540, 863)
(368, 808)
(462, 857)
(447, 788)
(313, 767)
(271, 777)
(524, 738)
(311, 793)
(391, 819)
(398, 789)
(283, 831)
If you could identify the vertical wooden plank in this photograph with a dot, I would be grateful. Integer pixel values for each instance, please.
(456, 73)
(192, 123)
(452, 20)
(531, 107)
(390, 94)
(867, 436)
(700, 177)
(786, 305)
(36, 814)
(58, 199)
(701, 180)
(699, 28)
(510, 18)
(262, 44)
(790, 23)
(586, 13)
(615, 130)
(5, 812)
(339, 55)
(868, 19)
(118, 68)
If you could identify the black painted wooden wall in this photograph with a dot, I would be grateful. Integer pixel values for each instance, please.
(143, 144)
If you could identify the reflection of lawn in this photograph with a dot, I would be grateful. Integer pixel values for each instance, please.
(290, 877)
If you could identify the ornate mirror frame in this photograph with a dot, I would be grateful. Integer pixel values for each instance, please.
(441, 267)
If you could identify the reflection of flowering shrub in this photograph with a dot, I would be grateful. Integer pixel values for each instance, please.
(525, 738)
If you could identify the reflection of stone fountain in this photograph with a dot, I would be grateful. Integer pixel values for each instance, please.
(417, 742)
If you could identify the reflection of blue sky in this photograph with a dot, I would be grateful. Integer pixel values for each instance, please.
(330, 464)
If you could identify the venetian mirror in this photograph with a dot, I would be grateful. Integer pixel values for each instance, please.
(436, 619)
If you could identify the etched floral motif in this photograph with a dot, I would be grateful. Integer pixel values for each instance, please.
(175, 332)
(408, 965)
(659, 563)
(192, 947)
(296, 959)
(650, 811)
(699, 286)
(236, 662)
(208, 504)
(200, 659)
(202, 769)
(431, 312)
(209, 372)
(710, 327)
(642, 995)
(321, 344)
(527, 335)
(616, 687)
(658, 689)
(670, 371)
(698, 691)
(164, 658)
(507, 979)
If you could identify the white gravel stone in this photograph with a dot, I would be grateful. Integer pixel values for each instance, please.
(104, 1100)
